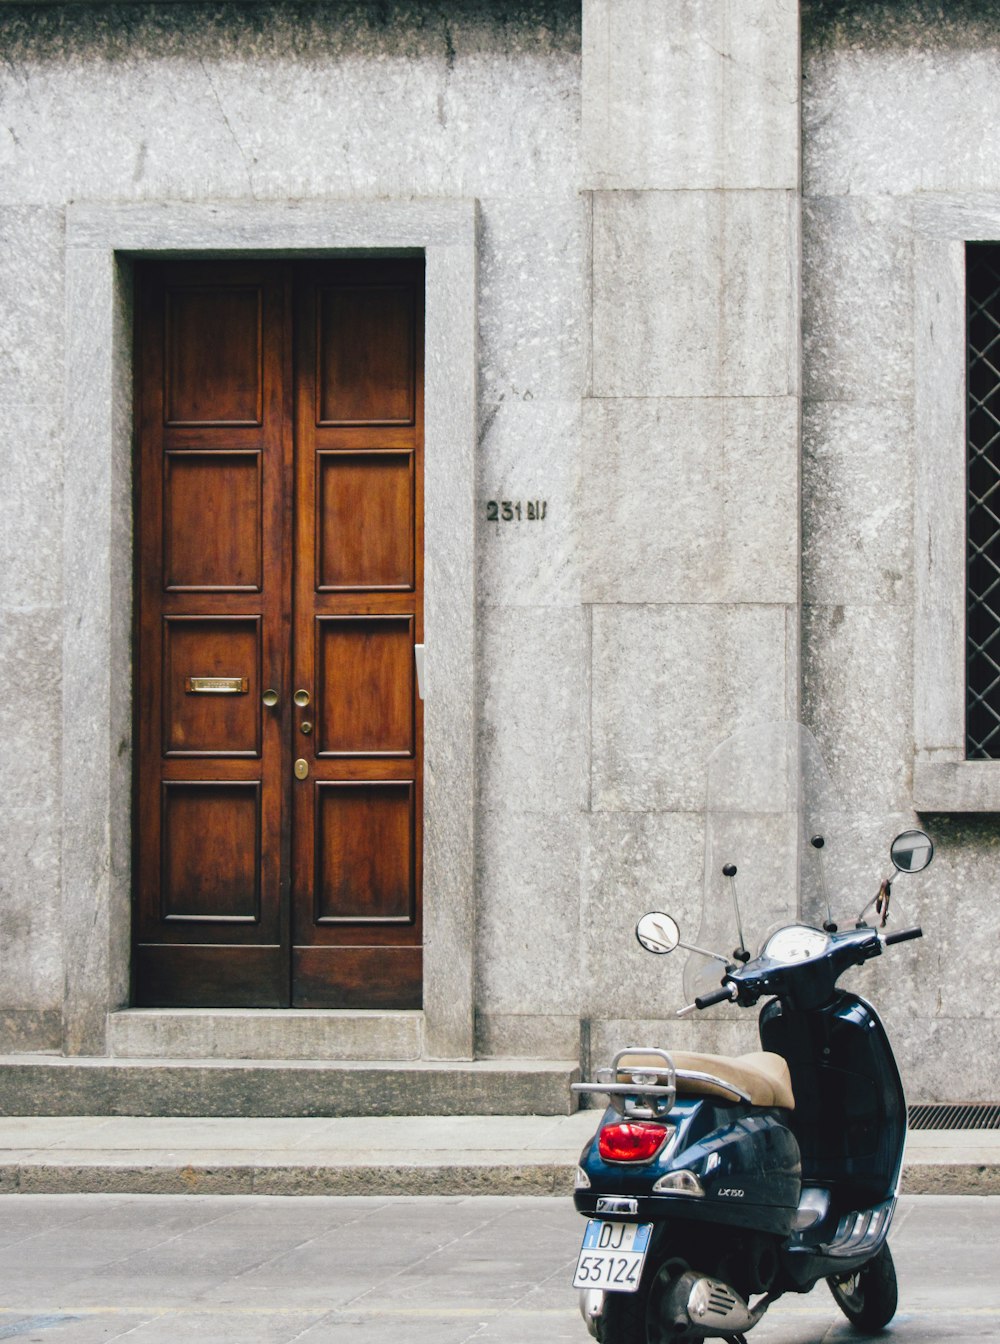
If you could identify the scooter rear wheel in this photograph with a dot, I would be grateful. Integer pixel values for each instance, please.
(623, 1320)
(868, 1297)
(626, 1316)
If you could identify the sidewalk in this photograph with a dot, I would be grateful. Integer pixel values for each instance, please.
(392, 1155)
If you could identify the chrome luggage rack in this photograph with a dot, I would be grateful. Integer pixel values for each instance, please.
(645, 1096)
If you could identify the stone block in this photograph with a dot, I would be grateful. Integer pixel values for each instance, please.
(52, 1086)
(531, 319)
(669, 683)
(30, 510)
(695, 294)
(528, 913)
(857, 300)
(530, 746)
(30, 930)
(291, 105)
(31, 323)
(633, 863)
(697, 95)
(857, 493)
(529, 454)
(690, 500)
(527, 1035)
(899, 99)
(858, 693)
(220, 1033)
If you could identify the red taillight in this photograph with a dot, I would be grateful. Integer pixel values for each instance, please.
(631, 1141)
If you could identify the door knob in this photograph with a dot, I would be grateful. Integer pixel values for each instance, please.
(270, 698)
(301, 698)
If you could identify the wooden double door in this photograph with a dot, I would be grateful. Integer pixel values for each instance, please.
(278, 728)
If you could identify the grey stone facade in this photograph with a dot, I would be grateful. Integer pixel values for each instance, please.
(694, 279)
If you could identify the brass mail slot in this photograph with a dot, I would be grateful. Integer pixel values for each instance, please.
(217, 685)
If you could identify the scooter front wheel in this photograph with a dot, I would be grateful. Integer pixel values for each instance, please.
(868, 1297)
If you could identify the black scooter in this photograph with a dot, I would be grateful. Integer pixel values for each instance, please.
(714, 1185)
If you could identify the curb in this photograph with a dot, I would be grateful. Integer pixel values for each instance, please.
(47, 1178)
(957, 1178)
(537, 1178)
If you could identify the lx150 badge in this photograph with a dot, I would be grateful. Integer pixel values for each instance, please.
(732, 1194)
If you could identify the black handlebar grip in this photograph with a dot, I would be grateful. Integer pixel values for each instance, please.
(904, 935)
(723, 995)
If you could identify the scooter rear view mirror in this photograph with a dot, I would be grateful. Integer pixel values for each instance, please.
(911, 851)
(658, 932)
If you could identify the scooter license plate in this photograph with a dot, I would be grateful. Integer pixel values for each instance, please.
(612, 1256)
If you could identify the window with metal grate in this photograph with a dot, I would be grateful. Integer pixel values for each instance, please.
(982, 624)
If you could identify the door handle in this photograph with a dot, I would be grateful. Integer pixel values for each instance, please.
(418, 658)
(270, 698)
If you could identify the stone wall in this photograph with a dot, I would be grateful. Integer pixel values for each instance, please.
(900, 163)
(140, 105)
(646, 370)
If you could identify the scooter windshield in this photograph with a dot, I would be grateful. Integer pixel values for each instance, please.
(799, 856)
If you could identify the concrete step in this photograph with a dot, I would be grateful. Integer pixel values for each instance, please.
(264, 1033)
(49, 1085)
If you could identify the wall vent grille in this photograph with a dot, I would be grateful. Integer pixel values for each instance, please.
(955, 1115)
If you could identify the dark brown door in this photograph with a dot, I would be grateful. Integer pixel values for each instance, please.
(279, 558)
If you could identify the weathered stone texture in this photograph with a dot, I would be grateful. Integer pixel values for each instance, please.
(900, 98)
(857, 493)
(690, 500)
(527, 925)
(689, 96)
(695, 294)
(364, 102)
(669, 682)
(899, 103)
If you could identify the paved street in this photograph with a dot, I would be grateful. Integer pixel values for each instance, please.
(151, 1269)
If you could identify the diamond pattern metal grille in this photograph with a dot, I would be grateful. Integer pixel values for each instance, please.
(982, 719)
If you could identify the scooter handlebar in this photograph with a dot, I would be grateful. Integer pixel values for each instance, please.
(724, 995)
(904, 935)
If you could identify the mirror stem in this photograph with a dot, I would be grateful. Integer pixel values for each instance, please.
(729, 870)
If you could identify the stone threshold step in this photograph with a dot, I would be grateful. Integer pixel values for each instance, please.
(53, 1085)
(264, 1033)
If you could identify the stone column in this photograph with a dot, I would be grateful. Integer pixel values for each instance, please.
(690, 495)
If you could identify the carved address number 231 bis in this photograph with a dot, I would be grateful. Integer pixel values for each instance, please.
(509, 511)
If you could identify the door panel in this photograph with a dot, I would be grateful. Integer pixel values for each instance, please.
(213, 373)
(356, 860)
(366, 360)
(365, 519)
(212, 521)
(210, 712)
(214, 450)
(279, 547)
(364, 852)
(211, 851)
(365, 703)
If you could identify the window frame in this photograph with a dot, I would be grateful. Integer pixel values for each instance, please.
(944, 779)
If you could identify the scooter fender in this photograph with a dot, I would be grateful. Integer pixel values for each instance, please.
(745, 1162)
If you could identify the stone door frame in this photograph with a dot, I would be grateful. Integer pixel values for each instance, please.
(101, 241)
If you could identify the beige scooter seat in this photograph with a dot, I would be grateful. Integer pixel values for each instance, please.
(762, 1075)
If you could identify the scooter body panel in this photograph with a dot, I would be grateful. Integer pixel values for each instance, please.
(746, 1159)
(850, 1123)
